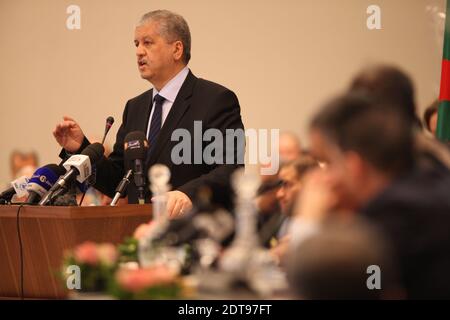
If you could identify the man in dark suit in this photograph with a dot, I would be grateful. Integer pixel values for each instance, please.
(178, 100)
(375, 169)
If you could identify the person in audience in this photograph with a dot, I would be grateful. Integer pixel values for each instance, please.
(290, 147)
(391, 85)
(388, 84)
(23, 163)
(290, 177)
(373, 169)
(344, 260)
(269, 214)
(291, 184)
(430, 117)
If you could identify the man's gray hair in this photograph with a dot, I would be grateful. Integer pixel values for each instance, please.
(172, 27)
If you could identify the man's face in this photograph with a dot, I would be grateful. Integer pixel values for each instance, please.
(288, 191)
(267, 202)
(433, 123)
(155, 56)
(341, 168)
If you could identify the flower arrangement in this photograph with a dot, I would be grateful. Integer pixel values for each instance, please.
(158, 282)
(97, 263)
(114, 270)
(128, 250)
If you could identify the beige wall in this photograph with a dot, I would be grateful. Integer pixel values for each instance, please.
(282, 58)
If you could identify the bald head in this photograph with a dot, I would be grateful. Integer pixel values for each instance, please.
(290, 147)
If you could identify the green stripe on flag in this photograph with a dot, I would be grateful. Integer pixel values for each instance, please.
(447, 34)
(443, 125)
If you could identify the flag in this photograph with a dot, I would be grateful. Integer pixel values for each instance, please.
(443, 125)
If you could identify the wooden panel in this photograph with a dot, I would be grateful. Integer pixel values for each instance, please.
(9, 258)
(48, 231)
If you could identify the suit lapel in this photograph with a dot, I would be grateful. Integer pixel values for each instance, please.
(179, 108)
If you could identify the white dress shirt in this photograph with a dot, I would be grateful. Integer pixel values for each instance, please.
(169, 92)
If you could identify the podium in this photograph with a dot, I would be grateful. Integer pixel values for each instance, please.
(46, 232)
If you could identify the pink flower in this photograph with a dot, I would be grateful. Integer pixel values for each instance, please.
(92, 253)
(140, 279)
(143, 230)
(86, 253)
(107, 253)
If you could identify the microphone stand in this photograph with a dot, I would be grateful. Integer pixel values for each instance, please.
(122, 187)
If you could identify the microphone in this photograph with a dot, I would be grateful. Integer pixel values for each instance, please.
(79, 166)
(90, 181)
(135, 151)
(109, 123)
(120, 190)
(18, 186)
(8, 194)
(41, 181)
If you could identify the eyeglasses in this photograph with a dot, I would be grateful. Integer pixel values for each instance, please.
(286, 184)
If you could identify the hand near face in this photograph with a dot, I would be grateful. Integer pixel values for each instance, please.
(316, 198)
(69, 135)
(178, 203)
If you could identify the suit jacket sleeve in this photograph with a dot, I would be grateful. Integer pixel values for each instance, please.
(224, 114)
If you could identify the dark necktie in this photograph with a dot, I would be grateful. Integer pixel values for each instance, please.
(155, 125)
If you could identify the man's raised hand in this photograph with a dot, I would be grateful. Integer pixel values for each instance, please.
(69, 134)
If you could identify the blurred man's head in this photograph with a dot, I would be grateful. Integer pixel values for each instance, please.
(389, 85)
(290, 147)
(266, 200)
(366, 145)
(163, 46)
(333, 264)
(23, 163)
(430, 117)
(290, 177)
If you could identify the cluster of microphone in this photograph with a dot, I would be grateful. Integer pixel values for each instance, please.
(78, 167)
(50, 182)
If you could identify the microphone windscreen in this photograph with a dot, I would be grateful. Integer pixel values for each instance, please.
(44, 178)
(110, 121)
(8, 193)
(58, 170)
(136, 146)
(20, 186)
(94, 151)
